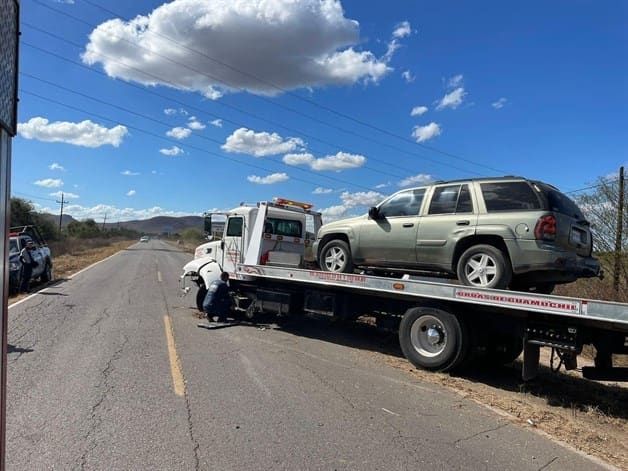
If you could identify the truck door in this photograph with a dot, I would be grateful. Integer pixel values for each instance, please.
(234, 242)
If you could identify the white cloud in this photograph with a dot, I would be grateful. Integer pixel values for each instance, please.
(340, 161)
(418, 110)
(407, 76)
(425, 133)
(174, 150)
(170, 111)
(382, 185)
(194, 124)
(420, 179)
(452, 100)
(298, 159)
(499, 103)
(84, 134)
(217, 123)
(269, 179)
(56, 166)
(113, 213)
(131, 193)
(49, 183)
(333, 213)
(337, 162)
(128, 173)
(322, 191)
(260, 144)
(455, 81)
(361, 198)
(64, 194)
(179, 133)
(290, 44)
(402, 30)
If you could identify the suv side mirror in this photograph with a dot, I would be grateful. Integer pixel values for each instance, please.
(374, 213)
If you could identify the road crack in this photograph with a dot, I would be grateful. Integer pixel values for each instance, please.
(493, 429)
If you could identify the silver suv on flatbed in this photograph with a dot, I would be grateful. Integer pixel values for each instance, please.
(491, 232)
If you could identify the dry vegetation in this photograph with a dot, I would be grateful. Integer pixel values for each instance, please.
(589, 416)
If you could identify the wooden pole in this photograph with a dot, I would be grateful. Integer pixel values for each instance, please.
(618, 233)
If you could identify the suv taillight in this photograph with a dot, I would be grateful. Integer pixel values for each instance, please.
(545, 228)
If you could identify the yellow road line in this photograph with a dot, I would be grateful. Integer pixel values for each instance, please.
(175, 364)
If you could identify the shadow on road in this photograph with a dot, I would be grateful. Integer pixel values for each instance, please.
(14, 349)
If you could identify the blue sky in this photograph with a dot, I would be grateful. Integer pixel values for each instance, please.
(144, 108)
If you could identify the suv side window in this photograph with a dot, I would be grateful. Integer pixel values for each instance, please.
(451, 199)
(509, 196)
(406, 203)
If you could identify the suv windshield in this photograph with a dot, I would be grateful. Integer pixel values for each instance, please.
(13, 246)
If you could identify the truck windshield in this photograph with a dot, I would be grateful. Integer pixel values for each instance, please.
(13, 248)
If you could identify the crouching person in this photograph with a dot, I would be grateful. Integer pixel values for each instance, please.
(217, 300)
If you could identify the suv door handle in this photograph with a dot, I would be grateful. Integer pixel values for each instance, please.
(463, 222)
(408, 224)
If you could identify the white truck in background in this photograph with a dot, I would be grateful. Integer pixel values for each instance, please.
(442, 325)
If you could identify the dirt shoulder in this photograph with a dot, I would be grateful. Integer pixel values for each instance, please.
(590, 416)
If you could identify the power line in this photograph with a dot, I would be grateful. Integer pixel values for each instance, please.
(598, 185)
(240, 110)
(295, 95)
(287, 108)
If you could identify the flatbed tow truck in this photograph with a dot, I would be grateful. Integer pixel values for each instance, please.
(442, 326)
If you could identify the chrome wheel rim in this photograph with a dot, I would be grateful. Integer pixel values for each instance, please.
(480, 270)
(335, 259)
(428, 336)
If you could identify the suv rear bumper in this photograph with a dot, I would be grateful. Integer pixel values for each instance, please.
(555, 265)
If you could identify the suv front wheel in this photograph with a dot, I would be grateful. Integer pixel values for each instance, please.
(336, 257)
(484, 266)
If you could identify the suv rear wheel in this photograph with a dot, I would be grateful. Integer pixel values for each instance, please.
(484, 266)
(336, 257)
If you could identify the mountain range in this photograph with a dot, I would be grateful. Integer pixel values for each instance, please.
(153, 226)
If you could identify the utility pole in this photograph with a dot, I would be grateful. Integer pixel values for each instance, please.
(104, 221)
(62, 202)
(618, 234)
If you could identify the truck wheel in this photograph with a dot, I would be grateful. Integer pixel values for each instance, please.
(484, 266)
(46, 276)
(336, 257)
(200, 297)
(432, 339)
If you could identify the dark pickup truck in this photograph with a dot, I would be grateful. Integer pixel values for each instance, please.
(18, 238)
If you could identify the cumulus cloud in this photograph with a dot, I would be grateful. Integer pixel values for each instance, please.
(97, 212)
(322, 191)
(499, 103)
(254, 45)
(455, 81)
(84, 134)
(179, 133)
(420, 179)
(269, 179)
(56, 166)
(408, 76)
(174, 150)
(425, 133)
(361, 198)
(260, 144)
(339, 161)
(64, 194)
(452, 99)
(49, 183)
(170, 111)
(418, 110)
(382, 185)
(402, 30)
(333, 213)
(217, 123)
(194, 124)
(128, 173)
(131, 193)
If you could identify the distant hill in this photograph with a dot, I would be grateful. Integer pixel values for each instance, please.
(153, 226)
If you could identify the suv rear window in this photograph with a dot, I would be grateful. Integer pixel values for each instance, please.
(509, 196)
(562, 204)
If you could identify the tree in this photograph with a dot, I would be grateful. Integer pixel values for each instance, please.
(23, 214)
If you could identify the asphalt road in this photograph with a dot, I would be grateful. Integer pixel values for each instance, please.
(108, 370)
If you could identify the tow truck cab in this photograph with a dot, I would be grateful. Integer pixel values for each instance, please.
(276, 233)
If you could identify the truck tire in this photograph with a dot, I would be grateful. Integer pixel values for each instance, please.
(200, 297)
(46, 276)
(484, 266)
(432, 339)
(336, 257)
